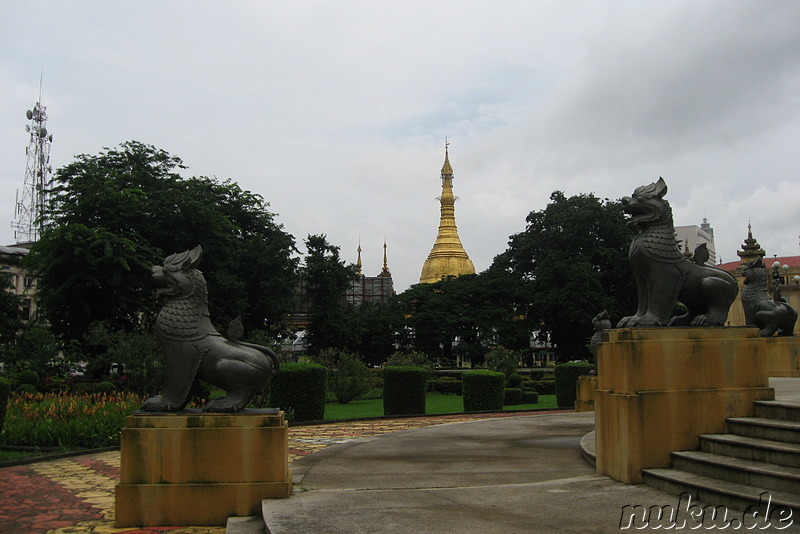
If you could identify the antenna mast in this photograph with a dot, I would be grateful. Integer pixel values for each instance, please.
(32, 201)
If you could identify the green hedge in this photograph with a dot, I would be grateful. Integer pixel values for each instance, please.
(446, 385)
(299, 390)
(542, 387)
(529, 396)
(483, 390)
(404, 390)
(567, 382)
(5, 391)
(512, 396)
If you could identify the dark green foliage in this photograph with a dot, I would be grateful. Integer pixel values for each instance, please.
(529, 397)
(27, 388)
(115, 214)
(5, 391)
(299, 389)
(573, 258)
(544, 387)
(37, 348)
(475, 308)
(138, 351)
(404, 390)
(28, 376)
(446, 385)
(105, 387)
(10, 312)
(502, 360)
(567, 382)
(411, 358)
(348, 375)
(514, 380)
(512, 396)
(326, 278)
(483, 390)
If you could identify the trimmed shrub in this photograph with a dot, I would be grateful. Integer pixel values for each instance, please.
(105, 387)
(514, 380)
(512, 396)
(529, 396)
(567, 382)
(404, 390)
(28, 376)
(5, 391)
(299, 390)
(544, 387)
(26, 388)
(483, 390)
(446, 385)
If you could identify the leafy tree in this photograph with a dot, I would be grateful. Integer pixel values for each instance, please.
(10, 314)
(333, 322)
(479, 311)
(573, 258)
(348, 376)
(502, 360)
(115, 214)
(38, 349)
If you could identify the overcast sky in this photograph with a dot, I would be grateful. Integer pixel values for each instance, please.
(337, 112)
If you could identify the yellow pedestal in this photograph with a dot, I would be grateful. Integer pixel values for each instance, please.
(660, 388)
(199, 469)
(585, 393)
(783, 356)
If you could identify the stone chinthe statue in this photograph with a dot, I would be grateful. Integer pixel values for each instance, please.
(664, 275)
(770, 314)
(194, 350)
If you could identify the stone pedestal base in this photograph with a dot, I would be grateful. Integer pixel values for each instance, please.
(585, 393)
(660, 388)
(783, 356)
(199, 469)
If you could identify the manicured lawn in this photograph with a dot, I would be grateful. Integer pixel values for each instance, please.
(435, 403)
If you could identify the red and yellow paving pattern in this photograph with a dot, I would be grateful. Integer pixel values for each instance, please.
(76, 495)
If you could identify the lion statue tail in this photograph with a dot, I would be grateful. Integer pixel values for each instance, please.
(274, 358)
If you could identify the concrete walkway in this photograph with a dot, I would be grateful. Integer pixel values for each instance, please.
(513, 475)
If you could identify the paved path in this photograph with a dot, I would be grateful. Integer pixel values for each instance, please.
(76, 495)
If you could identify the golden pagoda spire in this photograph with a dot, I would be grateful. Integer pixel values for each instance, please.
(448, 257)
(358, 261)
(385, 271)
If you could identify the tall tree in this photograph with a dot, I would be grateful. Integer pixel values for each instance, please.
(333, 322)
(573, 255)
(115, 214)
(10, 312)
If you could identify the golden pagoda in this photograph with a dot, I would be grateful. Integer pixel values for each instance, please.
(448, 257)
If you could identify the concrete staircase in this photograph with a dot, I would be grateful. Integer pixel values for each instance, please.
(759, 454)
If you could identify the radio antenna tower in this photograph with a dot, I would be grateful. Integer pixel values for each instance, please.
(32, 201)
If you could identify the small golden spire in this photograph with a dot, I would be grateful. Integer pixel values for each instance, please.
(358, 261)
(447, 170)
(385, 271)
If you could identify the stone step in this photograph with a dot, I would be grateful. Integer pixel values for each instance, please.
(760, 427)
(740, 470)
(785, 411)
(731, 495)
(762, 450)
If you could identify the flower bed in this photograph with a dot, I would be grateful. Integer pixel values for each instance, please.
(67, 421)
